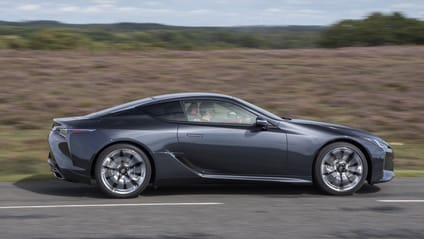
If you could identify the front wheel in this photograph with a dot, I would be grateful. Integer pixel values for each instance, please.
(340, 169)
(122, 171)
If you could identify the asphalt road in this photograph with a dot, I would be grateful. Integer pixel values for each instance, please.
(55, 209)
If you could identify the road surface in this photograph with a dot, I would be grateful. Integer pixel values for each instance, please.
(56, 209)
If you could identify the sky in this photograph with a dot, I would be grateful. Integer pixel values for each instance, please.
(204, 12)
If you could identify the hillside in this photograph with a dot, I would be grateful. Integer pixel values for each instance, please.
(52, 35)
(132, 26)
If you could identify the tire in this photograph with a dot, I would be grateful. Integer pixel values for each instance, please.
(122, 171)
(340, 169)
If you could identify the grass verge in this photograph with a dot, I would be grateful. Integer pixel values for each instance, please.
(409, 173)
(25, 177)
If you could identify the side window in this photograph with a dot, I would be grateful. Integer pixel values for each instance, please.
(167, 111)
(217, 112)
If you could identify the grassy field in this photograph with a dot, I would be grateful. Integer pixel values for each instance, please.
(378, 89)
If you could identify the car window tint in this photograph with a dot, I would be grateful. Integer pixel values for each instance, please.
(217, 112)
(167, 111)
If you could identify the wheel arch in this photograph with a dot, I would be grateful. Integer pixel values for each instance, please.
(351, 141)
(135, 144)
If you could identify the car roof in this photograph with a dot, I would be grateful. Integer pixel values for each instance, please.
(154, 99)
(188, 95)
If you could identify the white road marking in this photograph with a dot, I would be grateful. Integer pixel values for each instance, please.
(396, 143)
(401, 200)
(113, 205)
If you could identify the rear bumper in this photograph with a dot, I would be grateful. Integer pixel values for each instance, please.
(61, 163)
(54, 169)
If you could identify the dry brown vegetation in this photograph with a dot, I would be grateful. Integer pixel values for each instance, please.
(378, 89)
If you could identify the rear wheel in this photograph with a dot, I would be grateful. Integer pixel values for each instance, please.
(340, 169)
(122, 171)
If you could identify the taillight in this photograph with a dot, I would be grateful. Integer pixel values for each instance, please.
(64, 132)
(55, 124)
(81, 130)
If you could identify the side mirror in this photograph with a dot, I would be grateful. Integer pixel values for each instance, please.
(262, 123)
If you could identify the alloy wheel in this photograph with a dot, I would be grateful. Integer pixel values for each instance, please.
(342, 169)
(123, 171)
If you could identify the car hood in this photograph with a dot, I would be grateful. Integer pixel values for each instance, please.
(331, 128)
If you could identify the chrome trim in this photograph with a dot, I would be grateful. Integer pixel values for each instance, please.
(255, 178)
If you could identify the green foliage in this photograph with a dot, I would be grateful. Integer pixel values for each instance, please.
(54, 39)
(13, 42)
(376, 30)
(47, 35)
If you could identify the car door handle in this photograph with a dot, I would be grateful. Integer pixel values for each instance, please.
(194, 135)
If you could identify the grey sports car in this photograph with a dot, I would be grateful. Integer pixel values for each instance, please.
(198, 137)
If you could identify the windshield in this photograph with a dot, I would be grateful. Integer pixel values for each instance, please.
(260, 110)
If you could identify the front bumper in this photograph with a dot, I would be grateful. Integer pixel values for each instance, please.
(383, 168)
(387, 176)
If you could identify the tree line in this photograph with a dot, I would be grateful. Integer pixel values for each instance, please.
(377, 29)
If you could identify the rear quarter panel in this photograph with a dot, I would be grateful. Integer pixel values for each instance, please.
(157, 138)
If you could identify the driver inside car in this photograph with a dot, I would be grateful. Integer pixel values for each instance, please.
(206, 111)
(193, 113)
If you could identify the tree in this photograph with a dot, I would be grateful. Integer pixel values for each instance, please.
(377, 29)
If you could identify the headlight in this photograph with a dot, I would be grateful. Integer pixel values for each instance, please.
(381, 143)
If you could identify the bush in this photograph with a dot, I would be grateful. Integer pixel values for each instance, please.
(13, 42)
(377, 29)
(58, 40)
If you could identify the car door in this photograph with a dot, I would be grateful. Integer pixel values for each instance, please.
(227, 141)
